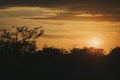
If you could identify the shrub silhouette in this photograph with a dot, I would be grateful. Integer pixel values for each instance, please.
(21, 40)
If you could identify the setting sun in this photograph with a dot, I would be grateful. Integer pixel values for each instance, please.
(95, 42)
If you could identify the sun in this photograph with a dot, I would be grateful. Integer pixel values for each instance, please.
(95, 42)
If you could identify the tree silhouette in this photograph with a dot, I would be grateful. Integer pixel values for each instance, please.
(21, 40)
(79, 51)
(96, 51)
(53, 51)
(88, 51)
(115, 52)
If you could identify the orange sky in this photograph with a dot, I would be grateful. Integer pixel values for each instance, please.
(63, 29)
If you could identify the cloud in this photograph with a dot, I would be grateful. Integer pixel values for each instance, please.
(16, 12)
(60, 36)
(70, 4)
(53, 36)
(72, 17)
(58, 2)
(110, 9)
(53, 23)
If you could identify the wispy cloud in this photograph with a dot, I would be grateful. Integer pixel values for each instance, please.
(72, 17)
(61, 36)
(19, 12)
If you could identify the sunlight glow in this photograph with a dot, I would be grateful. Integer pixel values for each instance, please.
(95, 42)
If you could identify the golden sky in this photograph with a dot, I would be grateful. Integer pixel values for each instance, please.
(66, 29)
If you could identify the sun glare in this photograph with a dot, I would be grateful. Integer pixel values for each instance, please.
(95, 42)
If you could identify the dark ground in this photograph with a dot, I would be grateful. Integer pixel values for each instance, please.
(60, 67)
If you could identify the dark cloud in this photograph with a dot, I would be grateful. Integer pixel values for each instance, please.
(110, 9)
(63, 3)
(114, 3)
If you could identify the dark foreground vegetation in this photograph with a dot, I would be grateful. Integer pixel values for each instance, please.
(19, 60)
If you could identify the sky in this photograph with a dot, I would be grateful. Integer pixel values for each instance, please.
(67, 23)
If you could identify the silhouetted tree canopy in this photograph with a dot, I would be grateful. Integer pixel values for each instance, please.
(115, 52)
(22, 39)
(53, 51)
(88, 51)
